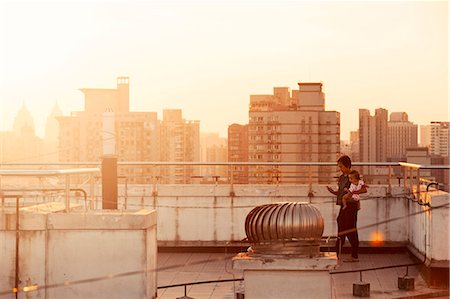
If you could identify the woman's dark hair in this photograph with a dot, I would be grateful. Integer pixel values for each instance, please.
(346, 161)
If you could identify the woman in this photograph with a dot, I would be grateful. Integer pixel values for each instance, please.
(347, 218)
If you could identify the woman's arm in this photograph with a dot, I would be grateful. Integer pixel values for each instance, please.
(362, 190)
(331, 190)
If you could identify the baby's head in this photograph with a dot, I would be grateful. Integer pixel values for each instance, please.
(353, 176)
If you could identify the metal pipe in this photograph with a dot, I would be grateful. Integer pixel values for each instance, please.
(310, 182)
(16, 281)
(418, 182)
(404, 179)
(66, 193)
(231, 168)
(389, 179)
(376, 268)
(126, 192)
(198, 282)
(91, 191)
(410, 181)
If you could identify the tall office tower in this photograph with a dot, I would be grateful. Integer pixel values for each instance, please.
(372, 140)
(402, 134)
(425, 136)
(180, 142)
(293, 128)
(136, 134)
(439, 137)
(238, 152)
(213, 149)
(439, 151)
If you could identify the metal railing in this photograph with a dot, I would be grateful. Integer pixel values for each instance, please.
(65, 173)
(197, 283)
(410, 173)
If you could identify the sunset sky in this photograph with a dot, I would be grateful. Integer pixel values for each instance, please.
(208, 57)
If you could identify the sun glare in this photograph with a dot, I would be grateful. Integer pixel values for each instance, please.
(376, 238)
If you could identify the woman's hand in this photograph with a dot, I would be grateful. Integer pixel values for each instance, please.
(331, 190)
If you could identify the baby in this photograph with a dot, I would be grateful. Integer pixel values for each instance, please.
(357, 186)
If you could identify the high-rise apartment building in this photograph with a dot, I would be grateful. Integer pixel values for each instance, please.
(137, 135)
(372, 140)
(213, 149)
(372, 135)
(81, 133)
(402, 134)
(439, 150)
(180, 142)
(354, 145)
(425, 136)
(238, 152)
(285, 127)
(439, 138)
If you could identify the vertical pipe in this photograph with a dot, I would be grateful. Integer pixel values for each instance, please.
(16, 281)
(67, 194)
(389, 180)
(411, 181)
(109, 182)
(231, 167)
(154, 190)
(91, 191)
(404, 180)
(310, 181)
(418, 183)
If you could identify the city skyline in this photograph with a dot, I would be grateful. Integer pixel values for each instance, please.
(160, 117)
(207, 58)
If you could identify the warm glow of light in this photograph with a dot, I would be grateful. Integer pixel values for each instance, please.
(179, 54)
(30, 288)
(15, 290)
(376, 238)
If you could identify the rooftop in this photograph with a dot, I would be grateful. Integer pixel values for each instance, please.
(188, 267)
(400, 223)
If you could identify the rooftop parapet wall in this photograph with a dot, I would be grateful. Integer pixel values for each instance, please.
(429, 225)
(199, 215)
(55, 247)
(210, 214)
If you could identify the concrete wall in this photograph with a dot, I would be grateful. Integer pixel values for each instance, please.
(79, 254)
(200, 215)
(429, 227)
(207, 214)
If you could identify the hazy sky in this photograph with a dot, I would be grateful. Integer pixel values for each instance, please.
(208, 57)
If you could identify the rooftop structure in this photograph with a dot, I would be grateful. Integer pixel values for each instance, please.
(407, 216)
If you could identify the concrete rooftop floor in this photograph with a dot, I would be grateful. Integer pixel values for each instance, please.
(214, 266)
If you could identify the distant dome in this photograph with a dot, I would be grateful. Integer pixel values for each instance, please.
(290, 227)
(23, 122)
